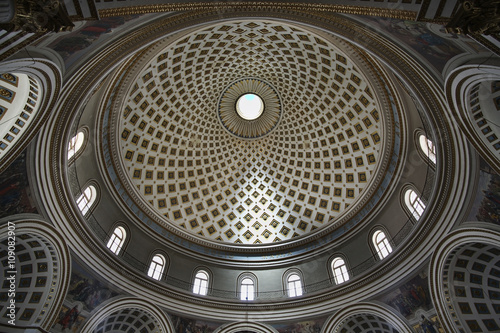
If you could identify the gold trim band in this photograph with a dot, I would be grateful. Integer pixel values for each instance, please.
(260, 6)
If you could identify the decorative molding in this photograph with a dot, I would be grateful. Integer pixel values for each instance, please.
(246, 326)
(259, 6)
(250, 129)
(374, 310)
(439, 263)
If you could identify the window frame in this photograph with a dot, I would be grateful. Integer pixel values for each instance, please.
(407, 204)
(428, 147)
(375, 245)
(343, 274)
(196, 278)
(242, 278)
(427, 152)
(416, 206)
(153, 270)
(89, 202)
(295, 288)
(79, 151)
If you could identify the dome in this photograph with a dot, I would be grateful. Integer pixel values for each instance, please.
(250, 167)
(312, 156)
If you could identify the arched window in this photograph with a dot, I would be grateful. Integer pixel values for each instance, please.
(294, 285)
(247, 289)
(200, 285)
(381, 243)
(87, 199)
(339, 269)
(427, 147)
(414, 204)
(157, 266)
(75, 144)
(116, 240)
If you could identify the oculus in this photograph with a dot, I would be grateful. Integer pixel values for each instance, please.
(242, 106)
(249, 106)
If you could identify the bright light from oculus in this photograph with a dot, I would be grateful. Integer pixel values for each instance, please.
(249, 106)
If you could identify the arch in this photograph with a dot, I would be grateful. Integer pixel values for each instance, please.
(339, 270)
(157, 266)
(114, 307)
(77, 143)
(477, 114)
(447, 294)
(117, 239)
(380, 243)
(413, 203)
(201, 282)
(42, 80)
(87, 200)
(335, 322)
(293, 283)
(247, 287)
(46, 262)
(246, 326)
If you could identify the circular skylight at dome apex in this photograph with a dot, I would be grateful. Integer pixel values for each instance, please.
(249, 106)
(242, 105)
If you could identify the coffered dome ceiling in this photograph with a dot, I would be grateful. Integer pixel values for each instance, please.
(312, 156)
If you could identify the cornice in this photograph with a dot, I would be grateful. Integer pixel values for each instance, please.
(458, 83)
(264, 6)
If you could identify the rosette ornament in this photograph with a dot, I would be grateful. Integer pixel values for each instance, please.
(249, 108)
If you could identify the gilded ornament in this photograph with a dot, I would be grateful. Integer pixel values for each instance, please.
(9, 77)
(476, 17)
(260, 6)
(5, 93)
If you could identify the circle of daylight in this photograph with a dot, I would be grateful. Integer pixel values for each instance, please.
(249, 106)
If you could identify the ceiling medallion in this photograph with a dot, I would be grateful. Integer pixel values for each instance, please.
(249, 108)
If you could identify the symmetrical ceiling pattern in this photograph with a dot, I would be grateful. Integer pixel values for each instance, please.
(473, 281)
(129, 320)
(233, 121)
(18, 103)
(36, 270)
(364, 323)
(307, 172)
